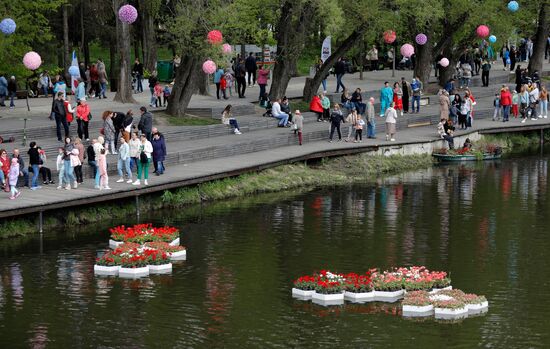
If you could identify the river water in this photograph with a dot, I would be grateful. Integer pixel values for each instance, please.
(487, 224)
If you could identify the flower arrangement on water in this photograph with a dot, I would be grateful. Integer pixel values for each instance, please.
(449, 304)
(141, 233)
(305, 283)
(156, 257)
(417, 299)
(164, 246)
(358, 283)
(108, 260)
(470, 298)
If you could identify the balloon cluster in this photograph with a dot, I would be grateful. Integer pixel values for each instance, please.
(389, 36)
(513, 6)
(127, 14)
(421, 39)
(215, 37)
(407, 50)
(7, 26)
(209, 67)
(74, 71)
(32, 60)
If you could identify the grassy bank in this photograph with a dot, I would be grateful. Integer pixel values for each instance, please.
(295, 177)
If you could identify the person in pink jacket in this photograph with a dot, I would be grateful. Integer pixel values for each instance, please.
(263, 76)
(13, 175)
(103, 177)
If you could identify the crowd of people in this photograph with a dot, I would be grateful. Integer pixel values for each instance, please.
(134, 144)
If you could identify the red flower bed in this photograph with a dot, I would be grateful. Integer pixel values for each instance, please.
(141, 233)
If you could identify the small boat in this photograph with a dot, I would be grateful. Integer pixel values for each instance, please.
(466, 157)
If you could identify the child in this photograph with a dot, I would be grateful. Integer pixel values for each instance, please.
(60, 167)
(298, 125)
(515, 102)
(158, 94)
(229, 81)
(13, 175)
(359, 129)
(496, 103)
(103, 177)
(166, 93)
(223, 86)
(467, 144)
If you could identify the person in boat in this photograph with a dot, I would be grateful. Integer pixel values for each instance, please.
(467, 144)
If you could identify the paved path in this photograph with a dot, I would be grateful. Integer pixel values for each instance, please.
(221, 154)
(49, 197)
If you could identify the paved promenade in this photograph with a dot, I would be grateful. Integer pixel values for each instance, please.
(201, 153)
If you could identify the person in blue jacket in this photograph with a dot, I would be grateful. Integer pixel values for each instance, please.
(217, 80)
(386, 98)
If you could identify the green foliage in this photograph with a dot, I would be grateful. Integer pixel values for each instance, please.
(32, 33)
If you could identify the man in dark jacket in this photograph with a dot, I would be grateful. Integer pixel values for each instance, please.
(251, 68)
(138, 71)
(340, 70)
(241, 78)
(146, 123)
(58, 110)
(406, 94)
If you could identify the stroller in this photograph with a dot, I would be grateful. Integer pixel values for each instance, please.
(266, 103)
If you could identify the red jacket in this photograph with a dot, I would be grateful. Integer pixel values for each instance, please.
(316, 105)
(6, 163)
(68, 114)
(83, 112)
(505, 98)
(223, 83)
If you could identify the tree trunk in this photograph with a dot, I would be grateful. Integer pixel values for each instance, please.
(447, 73)
(423, 66)
(312, 84)
(202, 84)
(539, 44)
(124, 84)
(113, 66)
(148, 35)
(290, 43)
(243, 51)
(66, 53)
(362, 59)
(185, 85)
(82, 31)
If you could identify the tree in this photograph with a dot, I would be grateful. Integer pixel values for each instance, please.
(148, 10)
(290, 35)
(312, 85)
(188, 28)
(124, 85)
(539, 43)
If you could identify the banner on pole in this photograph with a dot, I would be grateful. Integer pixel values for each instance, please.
(74, 78)
(326, 49)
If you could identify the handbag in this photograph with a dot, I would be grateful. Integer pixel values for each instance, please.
(143, 158)
(294, 126)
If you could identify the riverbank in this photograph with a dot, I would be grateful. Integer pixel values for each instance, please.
(303, 177)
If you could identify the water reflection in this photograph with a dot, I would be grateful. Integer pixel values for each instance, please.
(485, 223)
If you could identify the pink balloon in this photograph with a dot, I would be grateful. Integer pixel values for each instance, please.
(444, 62)
(209, 67)
(389, 36)
(407, 50)
(421, 39)
(226, 48)
(32, 60)
(215, 37)
(482, 31)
